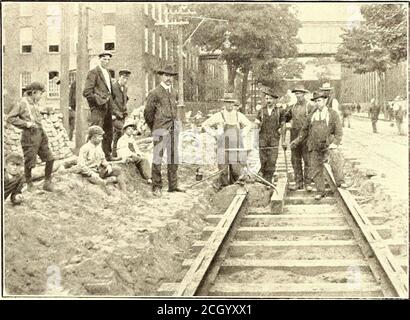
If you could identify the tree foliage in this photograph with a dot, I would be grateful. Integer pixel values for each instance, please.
(378, 42)
(258, 33)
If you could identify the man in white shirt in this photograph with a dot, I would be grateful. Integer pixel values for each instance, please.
(128, 150)
(229, 123)
(98, 92)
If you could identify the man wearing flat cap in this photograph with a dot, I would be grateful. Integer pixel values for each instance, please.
(322, 132)
(271, 122)
(161, 117)
(119, 106)
(298, 114)
(98, 92)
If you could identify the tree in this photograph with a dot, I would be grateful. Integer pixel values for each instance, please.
(376, 44)
(254, 32)
(273, 73)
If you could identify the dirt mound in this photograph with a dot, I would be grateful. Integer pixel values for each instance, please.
(85, 240)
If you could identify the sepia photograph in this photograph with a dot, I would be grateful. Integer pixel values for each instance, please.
(227, 150)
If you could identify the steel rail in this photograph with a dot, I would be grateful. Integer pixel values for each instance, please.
(392, 270)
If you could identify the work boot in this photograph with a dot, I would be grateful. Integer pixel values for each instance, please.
(176, 190)
(48, 186)
(343, 186)
(111, 180)
(300, 186)
(112, 158)
(309, 188)
(292, 187)
(149, 181)
(320, 196)
(157, 192)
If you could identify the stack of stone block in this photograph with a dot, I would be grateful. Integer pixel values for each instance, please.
(56, 133)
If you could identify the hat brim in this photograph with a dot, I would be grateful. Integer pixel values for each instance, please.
(299, 90)
(272, 95)
(129, 125)
(315, 98)
(161, 72)
(104, 54)
(326, 89)
(228, 100)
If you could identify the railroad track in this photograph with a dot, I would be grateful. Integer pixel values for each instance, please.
(297, 247)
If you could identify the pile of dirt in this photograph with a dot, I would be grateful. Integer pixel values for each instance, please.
(377, 200)
(87, 240)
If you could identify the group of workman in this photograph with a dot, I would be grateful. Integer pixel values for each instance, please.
(316, 133)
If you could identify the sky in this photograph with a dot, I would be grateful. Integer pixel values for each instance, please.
(328, 11)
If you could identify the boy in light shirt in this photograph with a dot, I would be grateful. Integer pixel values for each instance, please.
(127, 149)
(93, 164)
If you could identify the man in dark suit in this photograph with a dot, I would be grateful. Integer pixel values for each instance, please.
(98, 92)
(119, 106)
(161, 117)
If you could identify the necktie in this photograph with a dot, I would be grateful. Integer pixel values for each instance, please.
(131, 146)
(320, 116)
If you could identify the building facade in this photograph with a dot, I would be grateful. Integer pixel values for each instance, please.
(32, 45)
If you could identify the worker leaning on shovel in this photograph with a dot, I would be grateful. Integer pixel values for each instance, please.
(271, 123)
(231, 155)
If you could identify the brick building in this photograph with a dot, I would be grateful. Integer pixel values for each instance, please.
(32, 45)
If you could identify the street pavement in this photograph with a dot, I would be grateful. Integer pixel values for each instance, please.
(385, 152)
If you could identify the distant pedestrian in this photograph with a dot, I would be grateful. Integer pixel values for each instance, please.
(374, 114)
(346, 113)
(399, 114)
(119, 106)
(358, 107)
(13, 178)
(34, 141)
(98, 92)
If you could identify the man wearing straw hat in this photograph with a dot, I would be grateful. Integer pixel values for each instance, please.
(229, 122)
(331, 102)
(161, 117)
(271, 122)
(298, 114)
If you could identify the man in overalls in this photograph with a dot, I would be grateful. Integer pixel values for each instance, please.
(298, 114)
(323, 132)
(271, 121)
(229, 141)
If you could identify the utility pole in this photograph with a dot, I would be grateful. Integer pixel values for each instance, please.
(181, 105)
(65, 62)
(180, 24)
(82, 69)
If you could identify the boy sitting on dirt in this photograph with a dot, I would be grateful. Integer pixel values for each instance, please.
(127, 149)
(13, 178)
(92, 163)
